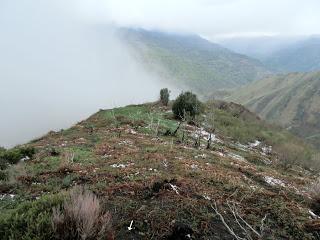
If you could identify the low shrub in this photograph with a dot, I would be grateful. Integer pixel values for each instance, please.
(3, 163)
(3, 175)
(81, 217)
(67, 181)
(29, 220)
(14, 155)
(293, 154)
(2, 150)
(16, 171)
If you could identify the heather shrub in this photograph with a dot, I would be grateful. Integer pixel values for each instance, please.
(29, 219)
(81, 217)
(3, 163)
(3, 175)
(2, 150)
(14, 155)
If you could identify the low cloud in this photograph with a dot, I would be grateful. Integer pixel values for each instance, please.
(58, 65)
(220, 18)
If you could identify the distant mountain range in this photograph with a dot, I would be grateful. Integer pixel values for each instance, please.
(193, 62)
(303, 56)
(280, 54)
(292, 100)
(204, 66)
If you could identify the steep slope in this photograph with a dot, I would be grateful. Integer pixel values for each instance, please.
(161, 186)
(192, 61)
(292, 100)
(303, 56)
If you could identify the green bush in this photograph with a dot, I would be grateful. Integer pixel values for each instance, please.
(164, 96)
(187, 103)
(29, 220)
(3, 163)
(14, 155)
(67, 181)
(3, 175)
(2, 150)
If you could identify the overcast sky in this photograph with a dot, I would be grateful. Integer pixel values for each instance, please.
(214, 18)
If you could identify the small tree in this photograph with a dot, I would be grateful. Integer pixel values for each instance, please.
(187, 103)
(164, 96)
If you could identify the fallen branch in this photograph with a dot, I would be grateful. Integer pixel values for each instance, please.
(174, 188)
(230, 230)
(243, 224)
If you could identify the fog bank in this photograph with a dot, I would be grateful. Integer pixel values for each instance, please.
(58, 65)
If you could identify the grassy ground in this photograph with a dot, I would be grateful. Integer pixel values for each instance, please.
(161, 184)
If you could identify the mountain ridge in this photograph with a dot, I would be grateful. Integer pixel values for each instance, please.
(300, 57)
(280, 54)
(289, 99)
(161, 186)
(191, 61)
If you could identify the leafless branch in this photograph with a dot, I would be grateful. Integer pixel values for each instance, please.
(246, 228)
(230, 230)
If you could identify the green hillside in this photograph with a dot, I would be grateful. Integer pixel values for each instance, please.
(191, 61)
(303, 56)
(151, 185)
(291, 100)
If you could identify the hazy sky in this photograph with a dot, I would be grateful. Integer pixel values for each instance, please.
(214, 18)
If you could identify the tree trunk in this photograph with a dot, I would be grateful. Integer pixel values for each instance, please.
(175, 131)
(209, 141)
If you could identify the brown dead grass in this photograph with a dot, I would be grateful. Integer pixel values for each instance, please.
(81, 217)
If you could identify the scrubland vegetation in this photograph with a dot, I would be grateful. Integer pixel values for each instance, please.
(139, 172)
